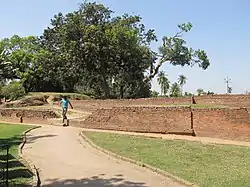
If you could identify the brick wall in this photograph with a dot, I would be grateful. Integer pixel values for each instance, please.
(229, 100)
(26, 113)
(141, 119)
(224, 123)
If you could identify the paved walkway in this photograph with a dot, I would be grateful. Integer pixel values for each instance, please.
(64, 159)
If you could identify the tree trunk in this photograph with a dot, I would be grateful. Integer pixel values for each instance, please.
(121, 92)
(105, 87)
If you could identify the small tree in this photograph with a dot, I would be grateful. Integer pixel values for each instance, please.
(163, 82)
(13, 91)
(210, 93)
(200, 91)
(187, 94)
(182, 80)
(154, 93)
(175, 90)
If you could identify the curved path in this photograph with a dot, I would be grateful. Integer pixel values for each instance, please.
(64, 159)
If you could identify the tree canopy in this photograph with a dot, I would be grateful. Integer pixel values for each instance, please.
(92, 51)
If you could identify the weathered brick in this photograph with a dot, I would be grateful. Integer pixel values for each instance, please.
(227, 123)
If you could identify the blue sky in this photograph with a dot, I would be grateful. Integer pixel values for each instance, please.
(221, 28)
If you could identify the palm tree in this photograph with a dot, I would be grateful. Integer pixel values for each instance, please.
(163, 82)
(175, 90)
(182, 80)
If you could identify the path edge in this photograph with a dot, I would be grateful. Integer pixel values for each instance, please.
(28, 163)
(156, 170)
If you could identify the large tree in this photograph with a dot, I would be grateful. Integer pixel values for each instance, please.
(100, 48)
(20, 52)
(23, 55)
(105, 55)
(174, 51)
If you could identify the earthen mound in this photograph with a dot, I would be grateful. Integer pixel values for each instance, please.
(27, 101)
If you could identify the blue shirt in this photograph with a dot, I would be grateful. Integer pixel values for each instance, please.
(65, 103)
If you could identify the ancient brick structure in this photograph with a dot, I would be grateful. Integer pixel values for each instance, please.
(227, 100)
(228, 123)
(28, 115)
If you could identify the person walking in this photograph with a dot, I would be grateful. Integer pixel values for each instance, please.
(65, 104)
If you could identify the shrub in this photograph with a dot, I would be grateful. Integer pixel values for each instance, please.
(154, 94)
(13, 91)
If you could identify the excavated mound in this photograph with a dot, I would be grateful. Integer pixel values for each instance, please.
(27, 113)
(27, 101)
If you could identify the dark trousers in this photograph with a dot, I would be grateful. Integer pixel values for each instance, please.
(64, 114)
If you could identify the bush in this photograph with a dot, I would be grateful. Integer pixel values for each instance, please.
(13, 91)
(154, 94)
(72, 96)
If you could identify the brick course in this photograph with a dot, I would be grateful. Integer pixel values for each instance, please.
(227, 123)
(228, 100)
(26, 113)
(141, 119)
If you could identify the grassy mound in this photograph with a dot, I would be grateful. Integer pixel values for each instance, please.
(42, 98)
(57, 96)
(26, 101)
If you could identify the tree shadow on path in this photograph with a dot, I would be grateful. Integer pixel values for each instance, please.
(32, 139)
(18, 174)
(95, 181)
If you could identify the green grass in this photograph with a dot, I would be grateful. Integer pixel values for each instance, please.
(73, 96)
(205, 165)
(197, 105)
(12, 135)
(208, 106)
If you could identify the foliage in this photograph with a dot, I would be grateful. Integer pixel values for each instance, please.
(182, 80)
(187, 94)
(229, 89)
(210, 93)
(58, 96)
(13, 90)
(175, 90)
(175, 52)
(7, 71)
(163, 82)
(200, 91)
(105, 55)
(154, 94)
